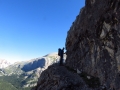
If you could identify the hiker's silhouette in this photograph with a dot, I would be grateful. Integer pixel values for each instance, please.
(61, 53)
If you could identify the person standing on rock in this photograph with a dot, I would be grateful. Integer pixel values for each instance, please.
(61, 53)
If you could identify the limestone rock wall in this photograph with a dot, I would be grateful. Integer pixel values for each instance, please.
(93, 42)
(59, 78)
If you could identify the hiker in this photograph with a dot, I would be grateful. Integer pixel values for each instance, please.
(61, 53)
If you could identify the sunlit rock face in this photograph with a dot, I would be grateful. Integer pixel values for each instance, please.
(93, 42)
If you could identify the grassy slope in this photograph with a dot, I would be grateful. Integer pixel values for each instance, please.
(9, 82)
(6, 86)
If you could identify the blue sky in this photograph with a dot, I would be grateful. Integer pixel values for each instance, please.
(33, 28)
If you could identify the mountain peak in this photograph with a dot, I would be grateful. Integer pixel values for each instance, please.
(52, 54)
(4, 63)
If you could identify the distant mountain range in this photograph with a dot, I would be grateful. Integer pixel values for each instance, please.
(4, 63)
(27, 72)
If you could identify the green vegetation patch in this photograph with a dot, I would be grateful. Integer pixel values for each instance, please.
(12, 83)
(6, 86)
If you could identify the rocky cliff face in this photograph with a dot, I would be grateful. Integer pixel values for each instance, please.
(93, 42)
(93, 51)
(59, 78)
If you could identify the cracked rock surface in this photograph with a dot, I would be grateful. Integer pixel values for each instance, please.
(93, 47)
(93, 42)
(59, 78)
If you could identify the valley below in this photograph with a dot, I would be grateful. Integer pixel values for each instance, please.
(24, 75)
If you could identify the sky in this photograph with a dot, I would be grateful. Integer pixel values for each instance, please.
(33, 28)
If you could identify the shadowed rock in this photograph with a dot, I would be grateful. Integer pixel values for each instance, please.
(93, 42)
(93, 50)
(59, 78)
(35, 64)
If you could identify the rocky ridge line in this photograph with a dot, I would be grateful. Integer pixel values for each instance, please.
(93, 50)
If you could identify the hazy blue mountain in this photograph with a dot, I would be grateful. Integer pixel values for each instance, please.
(34, 64)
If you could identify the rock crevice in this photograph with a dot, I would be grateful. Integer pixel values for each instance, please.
(93, 41)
